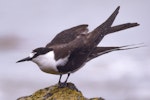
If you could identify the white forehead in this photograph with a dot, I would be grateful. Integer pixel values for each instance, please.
(32, 54)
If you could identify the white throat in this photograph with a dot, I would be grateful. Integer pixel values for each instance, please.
(48, 64)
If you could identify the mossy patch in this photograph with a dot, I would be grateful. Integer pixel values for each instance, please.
(70, 92)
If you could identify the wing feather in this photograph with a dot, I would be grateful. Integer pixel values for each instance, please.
(68, 35)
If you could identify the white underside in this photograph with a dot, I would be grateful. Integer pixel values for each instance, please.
(47, 62)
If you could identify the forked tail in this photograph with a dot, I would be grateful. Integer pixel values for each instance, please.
(98, 51)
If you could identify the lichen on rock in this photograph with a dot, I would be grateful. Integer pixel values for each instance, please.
(55, 92)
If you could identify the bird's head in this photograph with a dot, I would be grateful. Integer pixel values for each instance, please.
(35, 53)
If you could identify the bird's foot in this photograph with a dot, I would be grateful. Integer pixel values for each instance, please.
(62, 85)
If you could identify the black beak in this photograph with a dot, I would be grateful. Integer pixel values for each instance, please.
(25, 59)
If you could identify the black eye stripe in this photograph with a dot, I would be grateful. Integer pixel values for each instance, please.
(35, 56)
(41, 51)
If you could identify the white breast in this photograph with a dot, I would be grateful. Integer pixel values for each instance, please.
(48, 64)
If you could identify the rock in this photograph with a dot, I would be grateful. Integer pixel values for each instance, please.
(69, 92)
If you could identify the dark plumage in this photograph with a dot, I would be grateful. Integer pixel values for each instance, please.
(72, 48)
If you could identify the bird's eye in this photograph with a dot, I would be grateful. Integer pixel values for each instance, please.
(32, 54)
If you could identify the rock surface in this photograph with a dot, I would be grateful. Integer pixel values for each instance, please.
(69, 92)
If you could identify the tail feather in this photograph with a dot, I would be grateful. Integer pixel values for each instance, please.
(98, 51)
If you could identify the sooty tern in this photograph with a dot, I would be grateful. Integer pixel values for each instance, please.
(72, 48)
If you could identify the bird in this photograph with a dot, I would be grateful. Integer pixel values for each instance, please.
(72, 48)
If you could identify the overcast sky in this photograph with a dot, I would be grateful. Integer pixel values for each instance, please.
(28, 24)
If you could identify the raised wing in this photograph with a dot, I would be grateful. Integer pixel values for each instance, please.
(106, 28)
(68, 35)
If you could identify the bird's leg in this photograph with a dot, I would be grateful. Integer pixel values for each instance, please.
(67, 78)
(60, 79)
(64, 84)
